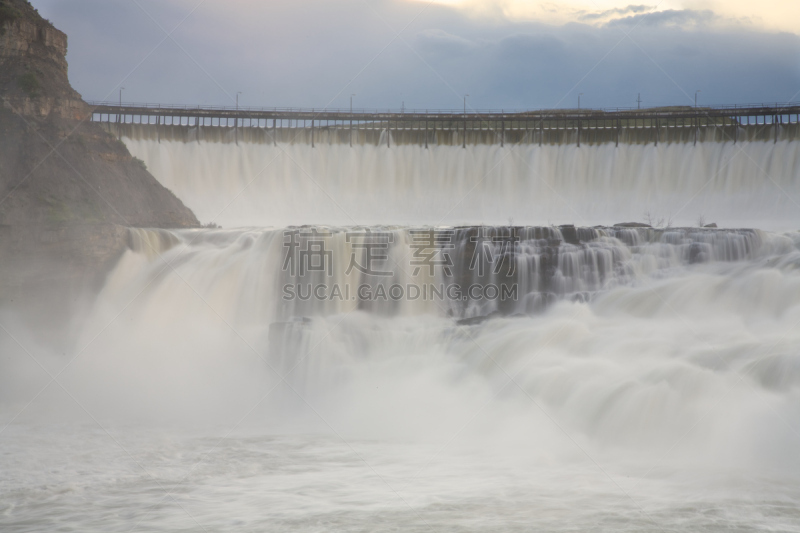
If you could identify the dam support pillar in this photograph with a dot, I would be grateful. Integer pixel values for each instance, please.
(775, 126)
(656, 132)
(541, 131)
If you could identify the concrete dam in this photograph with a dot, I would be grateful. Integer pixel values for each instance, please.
(736, 166)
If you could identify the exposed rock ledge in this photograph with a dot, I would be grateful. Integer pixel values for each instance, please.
(66, 186)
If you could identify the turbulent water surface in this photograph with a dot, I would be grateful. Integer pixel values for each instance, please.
(636, 379)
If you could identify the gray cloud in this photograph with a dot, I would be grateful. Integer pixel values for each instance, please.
(610, 13)
(315, 52)
(439, 41)
(684, 18)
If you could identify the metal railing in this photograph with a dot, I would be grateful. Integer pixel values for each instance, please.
(757, 108)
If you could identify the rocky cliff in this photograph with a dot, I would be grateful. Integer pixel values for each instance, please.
(67, 188)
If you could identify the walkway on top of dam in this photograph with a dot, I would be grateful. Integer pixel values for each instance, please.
(763, 122)
(779, 112)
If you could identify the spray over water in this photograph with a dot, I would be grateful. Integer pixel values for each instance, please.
(635, 379)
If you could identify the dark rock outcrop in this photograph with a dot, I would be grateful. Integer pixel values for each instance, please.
(67, 187)
(632, 225)
(58, 168)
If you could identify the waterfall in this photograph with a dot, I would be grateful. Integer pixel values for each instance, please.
(264, 276)
(749, 184)
(370, 323)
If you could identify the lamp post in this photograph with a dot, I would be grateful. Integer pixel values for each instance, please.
(237, 109)
(464, 144)
(236, 121)
(351, 119)
(696, 119)
(119, 114)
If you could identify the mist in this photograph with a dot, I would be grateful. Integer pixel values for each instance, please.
(216, 325)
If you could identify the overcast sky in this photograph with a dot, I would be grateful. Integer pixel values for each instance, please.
(510, 54)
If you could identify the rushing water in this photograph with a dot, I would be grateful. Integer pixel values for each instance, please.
(637, 379)
(750, 184)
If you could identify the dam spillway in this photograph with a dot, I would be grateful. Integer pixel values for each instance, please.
(637, 346)
(752, 183)
(560, 321)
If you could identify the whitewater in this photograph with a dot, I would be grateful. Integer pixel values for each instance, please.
(749, 184)
(635, 378)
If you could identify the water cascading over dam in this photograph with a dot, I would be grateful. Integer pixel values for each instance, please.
(242, 177)
(649, 350)
(375, 345)
(424, 271)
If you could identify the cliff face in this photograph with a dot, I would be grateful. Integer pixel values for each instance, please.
(66, 186)
(57, 168)
(34, 66)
